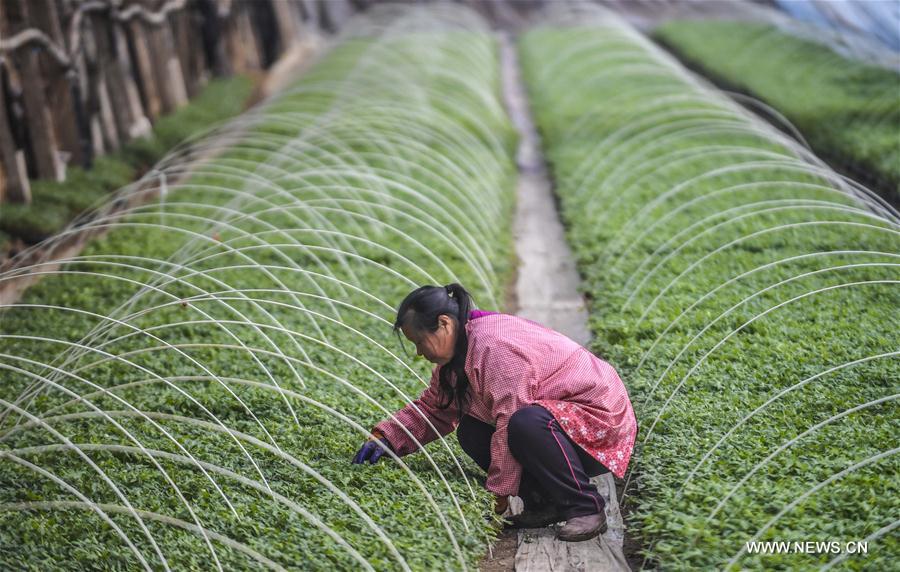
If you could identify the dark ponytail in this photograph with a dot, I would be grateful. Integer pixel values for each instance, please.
(420, 311)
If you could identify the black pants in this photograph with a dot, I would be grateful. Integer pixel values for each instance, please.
(554, 468)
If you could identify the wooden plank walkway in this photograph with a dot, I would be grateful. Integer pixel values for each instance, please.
(547, 292)
(539, 551)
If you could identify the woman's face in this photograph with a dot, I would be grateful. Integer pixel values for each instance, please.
(436, 347)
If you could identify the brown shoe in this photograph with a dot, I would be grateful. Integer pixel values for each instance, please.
(537, 517)
(580, 528)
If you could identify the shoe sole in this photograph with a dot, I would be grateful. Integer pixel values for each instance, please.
(553, 519)
(539, 524)
(583, 536)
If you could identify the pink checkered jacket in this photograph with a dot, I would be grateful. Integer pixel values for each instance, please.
(512, 363)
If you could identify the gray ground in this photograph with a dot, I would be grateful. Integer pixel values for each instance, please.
(547, 292)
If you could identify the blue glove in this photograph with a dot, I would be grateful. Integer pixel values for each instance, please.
(372, 451)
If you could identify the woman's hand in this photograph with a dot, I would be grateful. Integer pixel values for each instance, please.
(373, 449)
(501, 503)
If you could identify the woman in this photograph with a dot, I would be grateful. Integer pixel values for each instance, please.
(534, 409)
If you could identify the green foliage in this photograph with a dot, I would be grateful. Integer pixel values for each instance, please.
(55, 204)
(749, 306)
(848, 111)
(259, 298)
(35, 222)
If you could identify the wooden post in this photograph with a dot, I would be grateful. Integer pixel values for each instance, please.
(333, 14)
(107, 117)
(199, 65)
(175, 73)
(326, 24)
(242, 49)
(143, 65)
(298, 11)
(37, 111)
(14, 184)
(214, 31)
(233, 42)
(310, 9)
(248, 32)
(39, 121)
(112, 54)
(166, 68)
(76, 77)
(104, 136)
(59, 89)
(140, 125)
(288, 27)
(114, 131)
(181, 34)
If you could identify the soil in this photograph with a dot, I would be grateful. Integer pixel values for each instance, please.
(504, 553)
(632, 547)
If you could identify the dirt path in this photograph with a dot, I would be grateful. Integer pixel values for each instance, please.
(546, 291)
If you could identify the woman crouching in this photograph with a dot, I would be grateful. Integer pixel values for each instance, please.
(536, 410)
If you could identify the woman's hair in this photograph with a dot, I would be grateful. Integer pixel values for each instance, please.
(419, 311)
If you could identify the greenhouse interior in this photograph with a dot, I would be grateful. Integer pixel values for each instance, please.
(472, 285)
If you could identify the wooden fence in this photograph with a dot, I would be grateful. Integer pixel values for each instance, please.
(80, 77)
